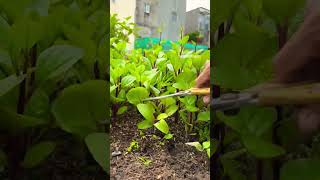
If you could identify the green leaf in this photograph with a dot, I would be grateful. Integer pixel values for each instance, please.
(128, 80)
(98, 145)
(25, 33)
(197, 145)
(162, 126)
(192, 108)
(185, 80)
(251, 120)
(162, 116)
(38, 105)
(280, 10)
(260, 148)
(80, 107)
(136, 95)
(171, 109)
(122, 110)
(56, 60)
(206, 144)
(204, 116)
(300, 169)
(38, 153)
(9, 83)
(168, 136)
(147, 111)
(15, 123)
(145, 124)
(184, 40)
(40, 6)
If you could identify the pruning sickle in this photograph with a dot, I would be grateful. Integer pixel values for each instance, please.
(269, 95)
(192, 91)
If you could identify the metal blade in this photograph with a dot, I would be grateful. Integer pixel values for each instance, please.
(232, 101)
(181, 93)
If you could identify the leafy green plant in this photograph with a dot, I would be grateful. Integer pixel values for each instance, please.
(138, 74)
(145, 160)
(53, 76)
(249, 35)
(133, 146)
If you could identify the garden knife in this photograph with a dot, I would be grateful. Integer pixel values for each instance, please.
(192, 91)
(269, 95)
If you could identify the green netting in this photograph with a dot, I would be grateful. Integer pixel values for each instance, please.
(146, 43)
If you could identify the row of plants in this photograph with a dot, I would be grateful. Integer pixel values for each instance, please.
(255, 143)
(53, 69)
(138, 74)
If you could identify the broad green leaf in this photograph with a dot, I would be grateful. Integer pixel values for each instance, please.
(171, 109)
(168, 136)
(79, 108)
(40, 6)
(25, 33)
(281, 10)
(191, 108)
(38, 153)
(206, 144)
(15, 123)
(185, 80)
(260, 148)
(204, 116)
(162, 116)
(300, 169)
(145, 124)
(147, 111)
(251, 120)
(223, 10)
(136, 95)
(56, 60)
(122, 110)
(9, 83)
(127, 80)
(197, 145)
(162, 126)
(98, 145)
(38, 105)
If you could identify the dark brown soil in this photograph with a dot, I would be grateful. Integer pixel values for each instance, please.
(171, 160)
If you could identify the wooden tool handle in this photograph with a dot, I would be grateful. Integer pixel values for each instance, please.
(303, 95)
(200, 91)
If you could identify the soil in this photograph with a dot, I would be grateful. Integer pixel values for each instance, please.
(171, 160)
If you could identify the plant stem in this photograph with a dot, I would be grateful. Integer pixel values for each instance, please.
(276, 164)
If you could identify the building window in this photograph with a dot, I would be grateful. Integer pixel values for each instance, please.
(146, 8)
(174, 17)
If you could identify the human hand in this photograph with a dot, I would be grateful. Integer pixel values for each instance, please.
(299, 61)
(203, 81)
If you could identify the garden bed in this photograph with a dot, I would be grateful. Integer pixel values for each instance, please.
(171, 160)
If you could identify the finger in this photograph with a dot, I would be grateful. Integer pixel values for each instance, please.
(298, 58)
(308, 121)
(203, 80)
(206, 99)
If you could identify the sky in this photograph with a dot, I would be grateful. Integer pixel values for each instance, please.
(193, 4)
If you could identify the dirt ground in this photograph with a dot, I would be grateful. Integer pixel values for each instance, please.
(172, 160)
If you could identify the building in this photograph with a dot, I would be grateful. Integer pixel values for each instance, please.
(199, 21)
(124, 8)
(167, 15)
